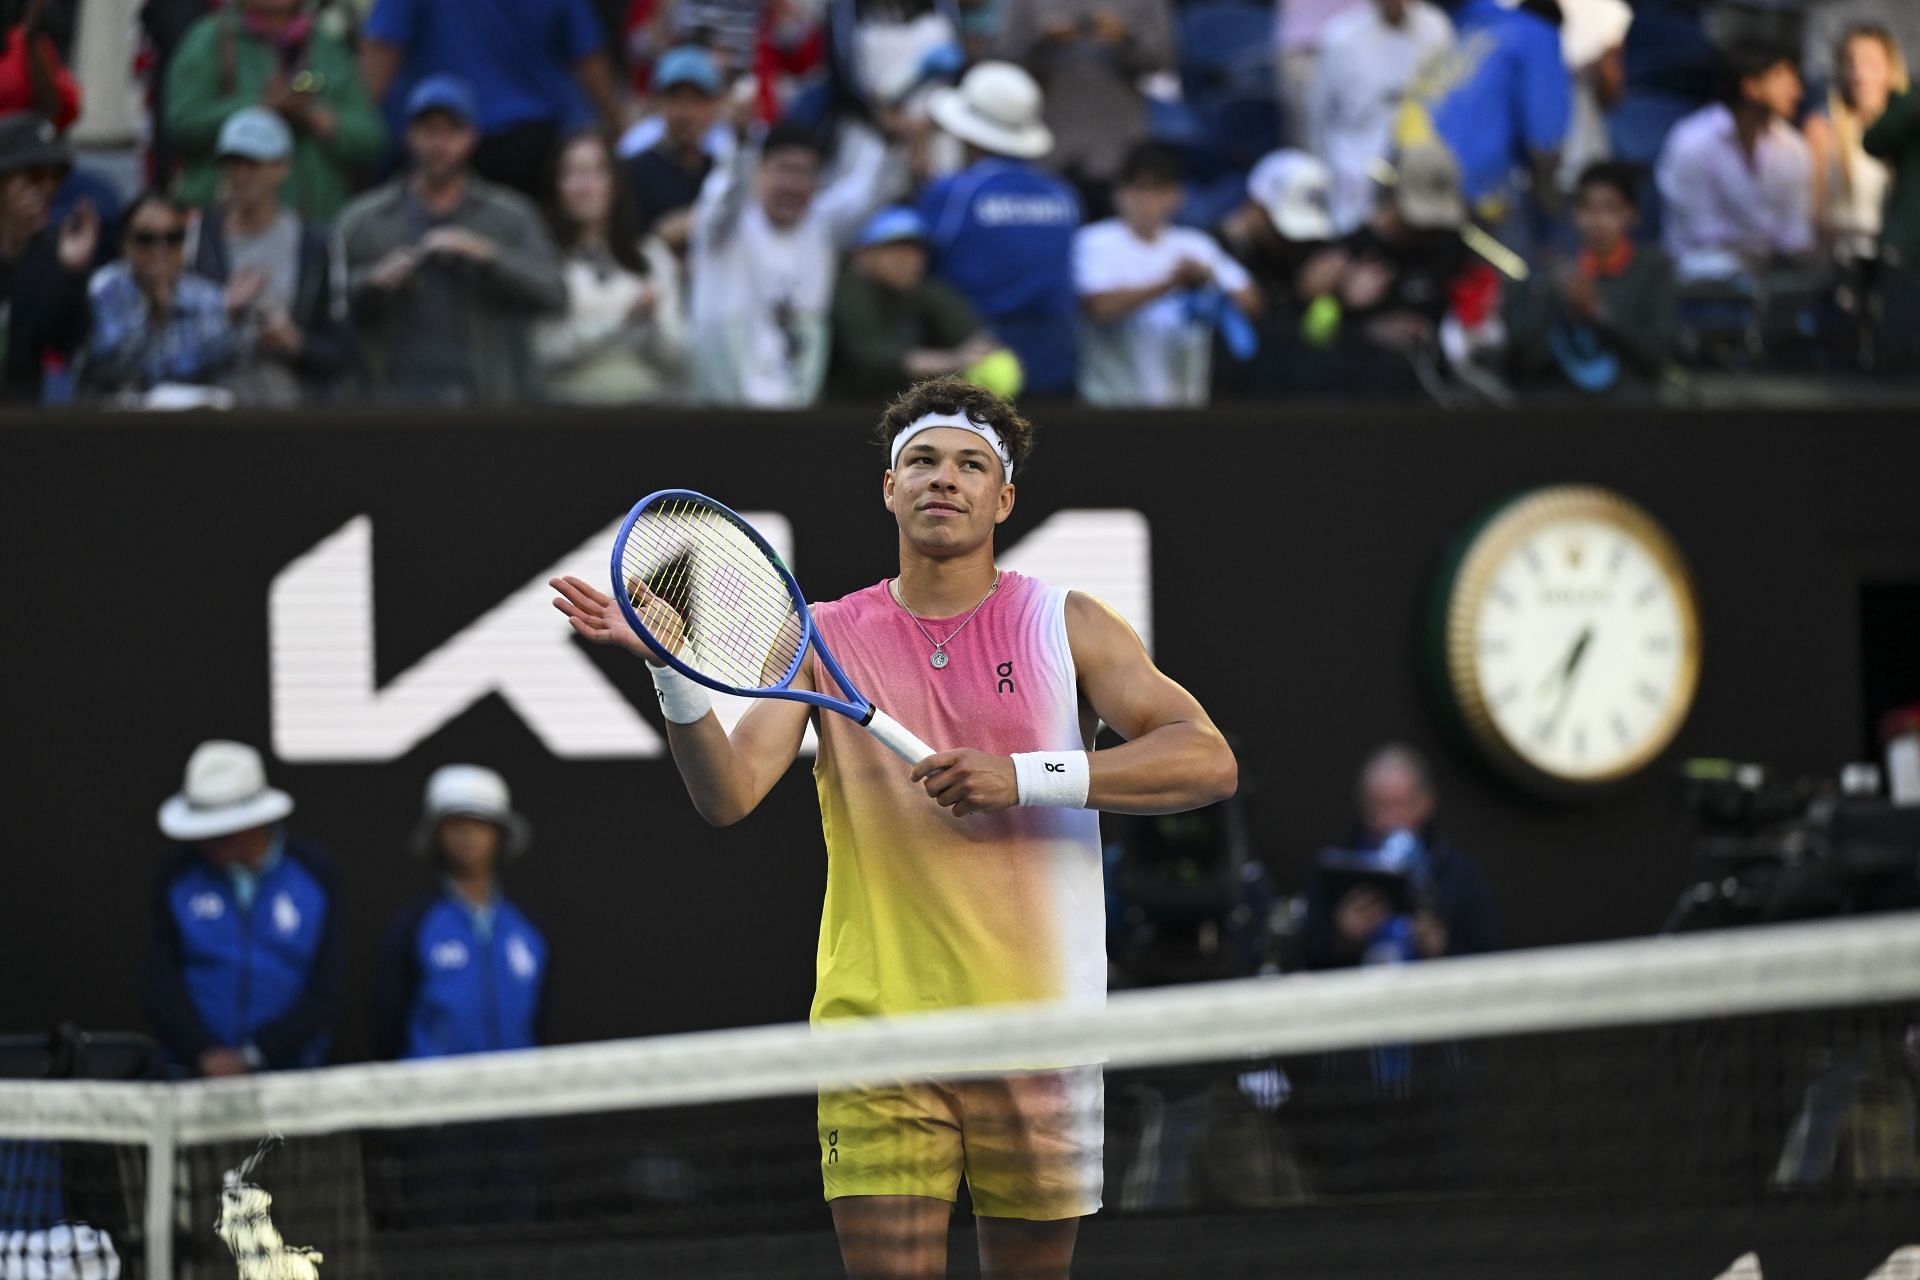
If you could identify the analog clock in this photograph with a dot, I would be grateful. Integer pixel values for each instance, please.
(1568, 637)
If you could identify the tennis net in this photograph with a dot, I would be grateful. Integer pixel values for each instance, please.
(1659, 1107)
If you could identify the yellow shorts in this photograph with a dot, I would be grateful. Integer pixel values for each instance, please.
(1030, 1146)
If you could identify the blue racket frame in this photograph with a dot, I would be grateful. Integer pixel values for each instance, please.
(860, 709)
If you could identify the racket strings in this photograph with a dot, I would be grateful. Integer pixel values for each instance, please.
(731, 593)
(740, 623)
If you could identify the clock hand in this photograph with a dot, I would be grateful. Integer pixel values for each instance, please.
(1580, 645)
(1575, 652)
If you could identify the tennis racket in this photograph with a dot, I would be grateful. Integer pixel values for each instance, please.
(701, 586)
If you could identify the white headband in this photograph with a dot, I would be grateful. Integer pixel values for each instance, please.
(927, 421)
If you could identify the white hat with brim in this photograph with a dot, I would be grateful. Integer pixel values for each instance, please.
(226, 791)
(1294, 188)
(470, 791)
(997, 108)
(1427, 189)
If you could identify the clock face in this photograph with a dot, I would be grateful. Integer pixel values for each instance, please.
(1573, 636)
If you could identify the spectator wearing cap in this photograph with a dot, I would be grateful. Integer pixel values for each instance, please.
(1281, 226)
(1604, 323)
(766, 240)
(1137, 274)
(664, 179)
(1502, 102)
(446, 271)
(892, 325)
(160, 334)
(540, 68)
(1387, 286)
(244, 962)
(623, 337)
(1001, 229)
(273, 54)
(1368, 57)
(291, 316)
(1736, 178)
(463, 970)
(1090, 57)
(43, 268)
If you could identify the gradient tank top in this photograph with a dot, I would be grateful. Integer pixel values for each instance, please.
(925, 910)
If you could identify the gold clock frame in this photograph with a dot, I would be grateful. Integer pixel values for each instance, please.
(1486, 550)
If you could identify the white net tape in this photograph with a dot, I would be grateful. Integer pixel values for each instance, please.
(1706, 975)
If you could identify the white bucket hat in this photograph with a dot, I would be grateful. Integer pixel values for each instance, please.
(997, 108)
(1293, 187)
(226, 791)
(470, 791)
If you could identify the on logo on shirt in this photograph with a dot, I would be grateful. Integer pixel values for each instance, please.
(286, 916)
(206, 906)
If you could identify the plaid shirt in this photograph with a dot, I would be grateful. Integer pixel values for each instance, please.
(127, 351)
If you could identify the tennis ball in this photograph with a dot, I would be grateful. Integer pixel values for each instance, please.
(998, 372)
(1321, 325)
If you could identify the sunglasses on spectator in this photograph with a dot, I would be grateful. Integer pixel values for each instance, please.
(152, 239)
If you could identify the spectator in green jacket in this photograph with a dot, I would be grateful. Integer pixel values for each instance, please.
(1895, 138)
(272, 53)
(892, 326)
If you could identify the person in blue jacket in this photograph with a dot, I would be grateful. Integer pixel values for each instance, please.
(244, 964)
(463, 970)
(1001, 229)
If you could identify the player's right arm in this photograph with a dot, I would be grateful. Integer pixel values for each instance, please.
(726, 775)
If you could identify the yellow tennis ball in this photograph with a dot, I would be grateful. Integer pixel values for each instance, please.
(1321, 324)
(998, 372)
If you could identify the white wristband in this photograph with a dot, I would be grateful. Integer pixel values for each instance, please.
(1053, 779)
(682, 701)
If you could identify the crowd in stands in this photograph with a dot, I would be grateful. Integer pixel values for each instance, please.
(1130, 202)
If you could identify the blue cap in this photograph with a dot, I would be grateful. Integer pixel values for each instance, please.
(688, 64)
(255, 133)
(895, 222)
(442, 93)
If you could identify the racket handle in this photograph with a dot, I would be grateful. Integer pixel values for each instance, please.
(897, 738)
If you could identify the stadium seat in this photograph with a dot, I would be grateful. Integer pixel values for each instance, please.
(1226, 48)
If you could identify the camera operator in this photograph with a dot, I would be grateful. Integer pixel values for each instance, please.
(1448, 908)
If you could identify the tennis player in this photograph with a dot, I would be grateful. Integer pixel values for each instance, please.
(974, 877)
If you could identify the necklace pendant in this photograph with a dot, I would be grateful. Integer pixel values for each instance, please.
(938, 659)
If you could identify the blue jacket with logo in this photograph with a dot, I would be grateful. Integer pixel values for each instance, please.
(1002, 234)
(446, 986)
(223, 976)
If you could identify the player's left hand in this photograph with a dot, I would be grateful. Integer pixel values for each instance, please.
(968, 781)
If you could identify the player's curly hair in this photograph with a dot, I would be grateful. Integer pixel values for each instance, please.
(956, 395)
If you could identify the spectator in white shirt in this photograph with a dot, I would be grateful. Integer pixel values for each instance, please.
(1145, 340)
(622, 338)
(1737, 178)
(1368, 56)
(766, 242)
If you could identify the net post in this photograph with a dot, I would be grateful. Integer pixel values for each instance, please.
(162, 1144)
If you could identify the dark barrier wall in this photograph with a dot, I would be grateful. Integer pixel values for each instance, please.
(1292, 555)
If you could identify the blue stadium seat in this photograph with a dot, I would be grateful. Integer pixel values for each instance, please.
(1226, 48)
